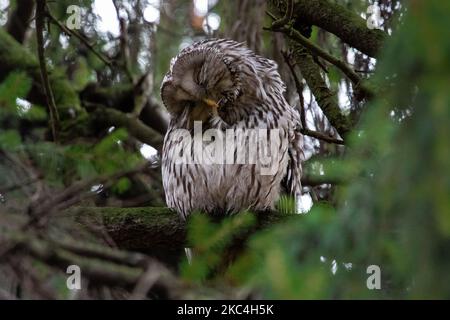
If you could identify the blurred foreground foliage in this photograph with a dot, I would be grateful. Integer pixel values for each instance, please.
(394, 212)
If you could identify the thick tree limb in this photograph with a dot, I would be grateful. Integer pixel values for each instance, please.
(148, 228)
(137, 229)
(343, 23)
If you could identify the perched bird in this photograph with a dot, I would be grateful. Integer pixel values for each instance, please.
(228, 88)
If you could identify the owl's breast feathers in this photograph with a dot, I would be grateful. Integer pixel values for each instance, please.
(258, 119)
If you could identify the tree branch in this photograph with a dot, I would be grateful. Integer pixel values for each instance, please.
(40, 21)
(135, 127)
(321, 136)
(345, 24)
(298, 37)
(104, 266)
(298, 86)
(123, 98)
(326, 99)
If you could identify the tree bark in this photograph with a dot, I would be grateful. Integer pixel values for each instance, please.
(325, 97)
(15, 58)
(343, 23)
(148, 228)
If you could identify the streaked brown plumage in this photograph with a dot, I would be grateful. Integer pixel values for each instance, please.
(249, 94)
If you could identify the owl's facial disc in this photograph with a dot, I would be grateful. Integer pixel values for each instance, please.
(200, 80)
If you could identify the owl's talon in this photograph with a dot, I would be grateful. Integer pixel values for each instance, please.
(211, 103)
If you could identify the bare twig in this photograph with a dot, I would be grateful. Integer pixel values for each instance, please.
(54, 116)
(321, 136)
(78, 36)
(147, 280)
(299, 88)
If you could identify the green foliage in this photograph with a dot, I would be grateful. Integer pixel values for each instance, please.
(82, 74)
(286, 204)
(9, 140)
(60, 164)
(16, 85)
(122, 185)
(279, 261)
(209, 241)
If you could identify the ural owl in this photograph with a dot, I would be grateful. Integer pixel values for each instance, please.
(221, 85)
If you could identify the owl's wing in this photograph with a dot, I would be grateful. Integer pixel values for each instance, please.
(292, 181)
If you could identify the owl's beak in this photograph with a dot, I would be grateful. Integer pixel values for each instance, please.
(210, 103)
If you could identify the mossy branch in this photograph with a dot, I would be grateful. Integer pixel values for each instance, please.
(147, 228)
(345, 24)
(14, 57)
(134, 126)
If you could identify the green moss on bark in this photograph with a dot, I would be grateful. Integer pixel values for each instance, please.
(345, 24)
(325, 97)
(14, 57)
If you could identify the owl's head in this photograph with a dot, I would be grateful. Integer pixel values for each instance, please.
(200, 77)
